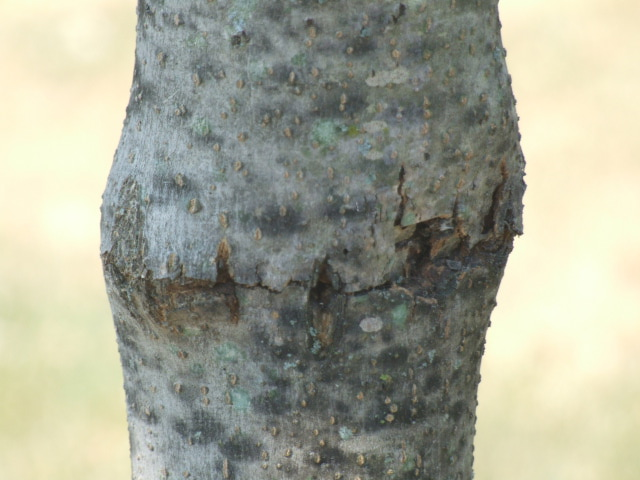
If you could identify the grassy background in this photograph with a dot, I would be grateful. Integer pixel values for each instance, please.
(560, 397)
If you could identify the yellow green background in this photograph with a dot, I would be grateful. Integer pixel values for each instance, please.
(560, 396)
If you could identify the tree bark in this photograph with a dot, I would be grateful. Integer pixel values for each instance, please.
(303, 233)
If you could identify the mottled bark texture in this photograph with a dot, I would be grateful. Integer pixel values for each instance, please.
(303, 233)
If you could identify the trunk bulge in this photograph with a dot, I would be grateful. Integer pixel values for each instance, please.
(304, 230)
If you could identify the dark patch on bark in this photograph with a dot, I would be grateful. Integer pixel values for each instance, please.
(185, 393)
(333, 372)
(439, 101)
(417, 47)
(239, 448)
(342, 407)
(302, 366)
(361, 45)
(353, 346)
(328, 101)
(201, 428)
(285, 351)
(387, 336)
(126, 339)
(272, 223)
(404, 411)
(504, 146)
(281, 352)
(324, 45)
(272, 402)
(333, 455)
(404, 113)
(434, 44)
(375, 418)
(356, 102)
(467, 5)
(274, 11)
(291, 317)
(146, 14)
(374, 465)
(458, 409)
(393, 357)
(326, 456)
(282, 71)
(259, 46)
(476, 116)
(379, 17)
(358, 207)
(433, 383)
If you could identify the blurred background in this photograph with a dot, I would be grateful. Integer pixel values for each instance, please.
(560, 396)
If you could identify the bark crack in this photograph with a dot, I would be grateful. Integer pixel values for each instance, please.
(399, 12)
(225, 281)
(325, 304)
(491, 218)
(403, 198)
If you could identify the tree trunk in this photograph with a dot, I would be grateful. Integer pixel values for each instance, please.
(304, 229)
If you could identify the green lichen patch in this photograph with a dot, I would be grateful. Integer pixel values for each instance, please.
(240, 13)
(327, 132)
(345, 433)
(408, 219)
(229, 352)
(256, 71)
(191, 331)
(197, 369)
(399, 315)
(201, 127)
(240, 399)
(353, 131)
(299, 60)
(196, 41)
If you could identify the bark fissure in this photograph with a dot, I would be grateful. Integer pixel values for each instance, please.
(403, 199)
(400, 11)
(324, 308)
(490, 219)
(225, 283)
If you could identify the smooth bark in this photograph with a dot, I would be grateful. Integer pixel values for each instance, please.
(304, 230)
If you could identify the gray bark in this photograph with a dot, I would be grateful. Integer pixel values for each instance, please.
(303, 233)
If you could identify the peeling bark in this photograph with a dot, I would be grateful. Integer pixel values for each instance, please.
(304, 230)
